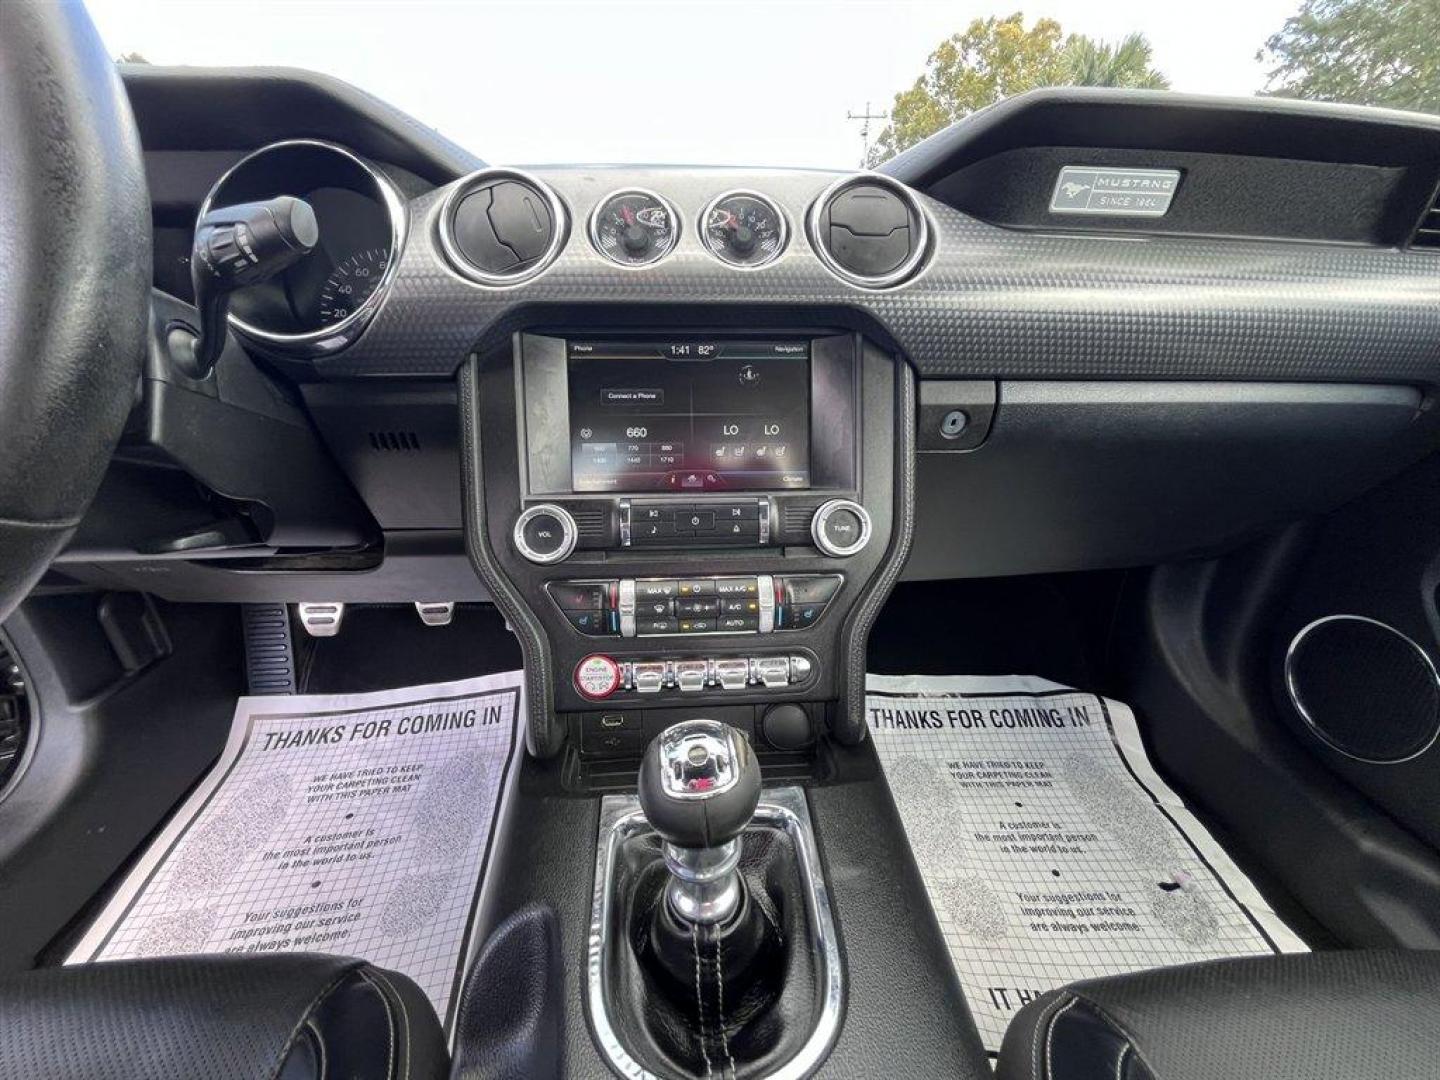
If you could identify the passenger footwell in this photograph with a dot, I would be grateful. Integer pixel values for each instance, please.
(1050, 849)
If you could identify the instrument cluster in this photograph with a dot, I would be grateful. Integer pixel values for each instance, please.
(324, 300)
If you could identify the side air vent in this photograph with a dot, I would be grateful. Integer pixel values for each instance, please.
(1427, 233)
(501, 226)
(14, 717)
(389, 441)
(869, 230)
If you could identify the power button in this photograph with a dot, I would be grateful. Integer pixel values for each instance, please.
(597, 676)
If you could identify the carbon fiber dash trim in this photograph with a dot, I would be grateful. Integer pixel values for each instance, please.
(991, 302)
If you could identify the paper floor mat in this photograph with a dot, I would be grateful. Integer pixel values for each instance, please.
(1050, 849)
(353, 824)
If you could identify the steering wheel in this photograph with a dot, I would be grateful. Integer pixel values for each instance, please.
(75, 254)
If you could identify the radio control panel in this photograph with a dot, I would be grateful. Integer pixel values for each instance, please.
(663, 607)
(743, 522)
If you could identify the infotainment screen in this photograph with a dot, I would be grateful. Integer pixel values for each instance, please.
(689, 415)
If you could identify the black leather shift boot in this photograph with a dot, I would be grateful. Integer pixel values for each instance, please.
(736, 1000)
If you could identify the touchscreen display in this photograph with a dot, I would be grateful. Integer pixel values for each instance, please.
(689, 415)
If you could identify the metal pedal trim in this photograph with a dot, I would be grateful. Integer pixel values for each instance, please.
(321, 620)
(435, 612)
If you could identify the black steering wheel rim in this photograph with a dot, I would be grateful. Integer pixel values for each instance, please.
(75, 253)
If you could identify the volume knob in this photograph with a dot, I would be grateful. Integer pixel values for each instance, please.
(545, 533)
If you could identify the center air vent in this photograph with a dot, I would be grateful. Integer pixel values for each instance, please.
(502, 227)
(869, 231)
(1427, 233)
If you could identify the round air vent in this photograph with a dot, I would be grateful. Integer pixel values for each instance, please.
(1364, 688)
(501, 226)
(15, 740)
(869, 231)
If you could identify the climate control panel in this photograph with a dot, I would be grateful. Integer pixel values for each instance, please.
(661, 607)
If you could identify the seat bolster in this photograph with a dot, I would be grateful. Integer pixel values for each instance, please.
(371, 1025)
(1352, 1015)
(293, 1016)
(1061, 1036)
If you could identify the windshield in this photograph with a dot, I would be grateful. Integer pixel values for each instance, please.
(833, 85)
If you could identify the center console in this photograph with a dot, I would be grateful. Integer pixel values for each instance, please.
(674, 518)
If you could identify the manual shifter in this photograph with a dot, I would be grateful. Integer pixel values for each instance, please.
(699, 786)
(712, 948)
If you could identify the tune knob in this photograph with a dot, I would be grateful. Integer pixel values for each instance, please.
(841, 528)
(545, 533)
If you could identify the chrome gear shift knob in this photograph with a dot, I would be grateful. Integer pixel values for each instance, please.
(699, 786)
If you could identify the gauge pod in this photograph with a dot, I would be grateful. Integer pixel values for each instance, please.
(322, 303)
(634, 227)
(502, 226)
(869, 230)
(744, 229)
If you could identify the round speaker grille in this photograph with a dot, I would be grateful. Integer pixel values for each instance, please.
(1364, 688)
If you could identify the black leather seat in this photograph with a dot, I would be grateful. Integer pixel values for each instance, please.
(1340, 1015)
(284, 1017)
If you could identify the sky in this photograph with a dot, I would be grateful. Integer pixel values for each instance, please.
(669, 81)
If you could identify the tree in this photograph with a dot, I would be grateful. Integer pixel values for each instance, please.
(1094, 63)
(131, 58)
(996, 58)
(1366, 52)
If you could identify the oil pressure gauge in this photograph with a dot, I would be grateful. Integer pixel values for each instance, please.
(634, 227)
(744, 229)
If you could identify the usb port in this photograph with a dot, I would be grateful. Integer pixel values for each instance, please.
(612, 720)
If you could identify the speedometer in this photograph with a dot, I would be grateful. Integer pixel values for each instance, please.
(744, 229)
(634, 228)
(350, 284)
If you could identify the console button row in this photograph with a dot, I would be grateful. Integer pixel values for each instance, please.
(599, 676)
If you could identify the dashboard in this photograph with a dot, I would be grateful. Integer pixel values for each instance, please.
(1082, 329)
